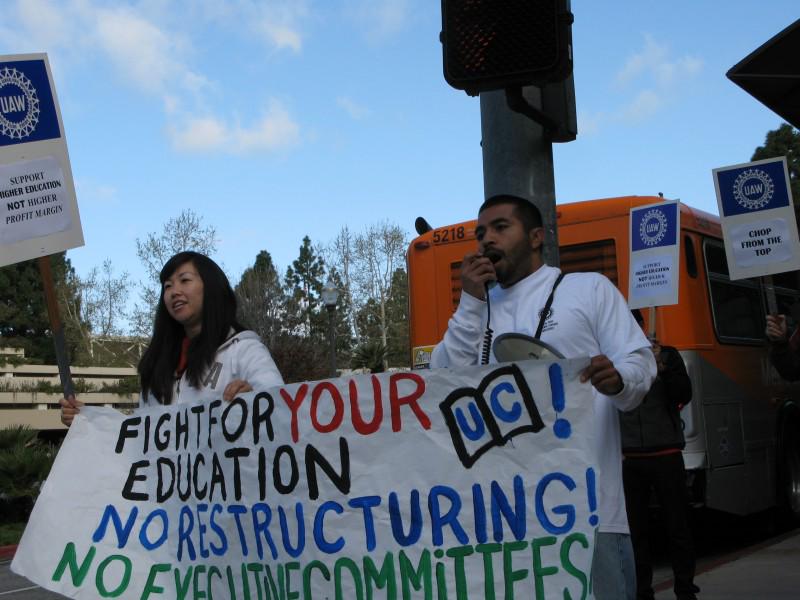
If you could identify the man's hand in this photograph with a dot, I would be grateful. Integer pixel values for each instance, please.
(476, 272)
(777, 330)
(604, 377)
(69, 408)
(237, 386)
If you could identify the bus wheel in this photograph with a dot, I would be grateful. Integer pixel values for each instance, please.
(789, 466)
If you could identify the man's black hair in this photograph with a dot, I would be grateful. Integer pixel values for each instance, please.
(637, 314)
(524, 210)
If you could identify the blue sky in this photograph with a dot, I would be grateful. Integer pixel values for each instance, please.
(276, 119)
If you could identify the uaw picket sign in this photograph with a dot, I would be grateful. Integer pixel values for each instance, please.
(33, 201)
(474, 483)
(38, 210)
(655, 255)
(758, 220)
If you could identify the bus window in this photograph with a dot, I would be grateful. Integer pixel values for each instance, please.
(736, 305)
(600, 257)
(691, 258)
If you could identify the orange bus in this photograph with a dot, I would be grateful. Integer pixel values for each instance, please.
(743, 426)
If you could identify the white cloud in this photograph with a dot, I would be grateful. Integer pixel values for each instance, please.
(93, 192)
(644, 105)
(654, 62)
(44, 21)
(143, 52)
(589, 123)
(653, 78)
(201, 135)
(380, 19)
(282, 36)
(276, 130)
(149, 46)
(279, 23)
(356, 111)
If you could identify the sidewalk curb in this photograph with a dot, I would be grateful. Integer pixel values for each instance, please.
(7, 552)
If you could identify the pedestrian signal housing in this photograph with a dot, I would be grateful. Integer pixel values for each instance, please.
(495, 44)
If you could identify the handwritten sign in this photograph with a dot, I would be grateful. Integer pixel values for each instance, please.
(401, 485)
(758, 221)
(38, 208)
(655, 255)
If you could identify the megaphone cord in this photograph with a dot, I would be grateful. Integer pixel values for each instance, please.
(487, 336)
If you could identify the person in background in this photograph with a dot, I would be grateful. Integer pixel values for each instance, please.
(198, 352)
(588, 317)
(652, 443)
(784, 350)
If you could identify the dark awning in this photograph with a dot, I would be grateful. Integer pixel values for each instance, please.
(771, 74)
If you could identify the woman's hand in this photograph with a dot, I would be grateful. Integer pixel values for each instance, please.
(69, 408)
(237, 386)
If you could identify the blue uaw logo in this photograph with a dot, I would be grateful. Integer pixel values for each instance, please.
(753, 189)
(19, 104)
(653, 227)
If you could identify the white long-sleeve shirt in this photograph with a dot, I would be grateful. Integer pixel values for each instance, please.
(588, 317)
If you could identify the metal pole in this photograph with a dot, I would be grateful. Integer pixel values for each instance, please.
(772, 300)
(332, 338)
(518, 160)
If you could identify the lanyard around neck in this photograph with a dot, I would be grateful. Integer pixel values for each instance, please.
(547, 306)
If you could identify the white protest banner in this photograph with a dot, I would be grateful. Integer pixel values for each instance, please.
(401, 485)
(758, 221)
(655, 255)
(38, 210)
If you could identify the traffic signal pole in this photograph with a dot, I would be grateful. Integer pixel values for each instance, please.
(518, 159)
(517, 54)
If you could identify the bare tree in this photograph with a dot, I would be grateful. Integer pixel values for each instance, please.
(184, 232)
(340, 254)
(96, 305)
(379, 251)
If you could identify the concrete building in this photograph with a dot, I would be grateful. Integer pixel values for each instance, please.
(29, 396)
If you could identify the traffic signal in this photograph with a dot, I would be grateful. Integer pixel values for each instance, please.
(495, 44)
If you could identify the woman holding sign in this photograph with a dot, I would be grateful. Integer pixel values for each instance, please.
(198, 351)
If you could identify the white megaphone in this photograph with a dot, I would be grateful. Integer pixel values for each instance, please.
(509, 347)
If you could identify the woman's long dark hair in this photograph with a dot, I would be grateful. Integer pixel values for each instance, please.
(159, 361)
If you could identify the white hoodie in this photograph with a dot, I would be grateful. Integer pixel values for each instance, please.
(242, 356)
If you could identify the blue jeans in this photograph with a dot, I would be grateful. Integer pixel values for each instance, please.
(613, 568)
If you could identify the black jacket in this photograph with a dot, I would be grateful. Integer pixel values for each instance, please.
(656, 423)
(785, 358)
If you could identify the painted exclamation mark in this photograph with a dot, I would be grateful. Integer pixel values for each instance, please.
(592, 496)
(561, 427)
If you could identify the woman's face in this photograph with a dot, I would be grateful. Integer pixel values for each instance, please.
(183, 298)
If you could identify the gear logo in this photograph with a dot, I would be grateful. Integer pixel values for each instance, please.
(653, 227)
(753, 189)
(17, 95)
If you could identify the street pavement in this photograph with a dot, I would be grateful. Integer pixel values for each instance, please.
(14, 587)
(767, 571)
